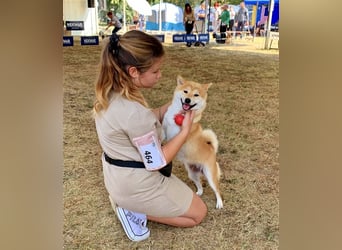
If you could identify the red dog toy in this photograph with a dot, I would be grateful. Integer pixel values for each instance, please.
(179, 119)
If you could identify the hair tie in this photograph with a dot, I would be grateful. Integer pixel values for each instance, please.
(114, 44)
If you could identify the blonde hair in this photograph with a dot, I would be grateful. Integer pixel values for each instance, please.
(134, 48)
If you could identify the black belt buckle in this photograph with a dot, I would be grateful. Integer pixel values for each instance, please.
(166, 171)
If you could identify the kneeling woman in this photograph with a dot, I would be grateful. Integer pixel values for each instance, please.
(136, 167)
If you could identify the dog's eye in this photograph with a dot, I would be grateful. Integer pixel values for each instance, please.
(185, 91)
(196, 94)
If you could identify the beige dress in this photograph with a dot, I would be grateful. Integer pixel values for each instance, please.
(137, 189)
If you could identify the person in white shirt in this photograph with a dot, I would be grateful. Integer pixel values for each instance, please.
(216, 20)
(112, 20)
(232, 18)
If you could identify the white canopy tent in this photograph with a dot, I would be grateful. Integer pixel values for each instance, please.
(141, 6)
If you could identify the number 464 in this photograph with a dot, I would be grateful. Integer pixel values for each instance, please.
(148, 157)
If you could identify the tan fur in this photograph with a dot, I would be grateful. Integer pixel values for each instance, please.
(198, 154)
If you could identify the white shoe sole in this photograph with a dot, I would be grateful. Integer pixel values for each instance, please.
(125, 224)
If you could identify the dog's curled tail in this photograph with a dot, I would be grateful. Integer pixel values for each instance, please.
(211, 138)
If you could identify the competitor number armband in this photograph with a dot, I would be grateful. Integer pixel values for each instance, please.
(150, 151)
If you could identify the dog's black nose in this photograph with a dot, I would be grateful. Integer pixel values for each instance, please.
(187, 100)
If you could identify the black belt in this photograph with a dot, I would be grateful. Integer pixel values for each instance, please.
(121, 163)
(166, 171)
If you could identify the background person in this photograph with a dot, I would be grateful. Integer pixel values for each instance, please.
(231, 17)
(241, 18)
(216, 20)
(136, 19)
(201, 13)
(141, 22)
(188, 20)
(224, 17)
(113, 20)
(129, 133)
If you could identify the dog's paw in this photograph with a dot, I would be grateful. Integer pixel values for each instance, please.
(199, 192)
(219, 204)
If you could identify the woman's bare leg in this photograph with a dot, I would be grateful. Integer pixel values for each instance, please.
(192, 217)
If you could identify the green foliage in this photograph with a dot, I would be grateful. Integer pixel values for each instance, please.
(234, 2)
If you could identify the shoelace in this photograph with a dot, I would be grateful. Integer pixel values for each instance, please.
(138, 218)
(144, 223)
(142, 219)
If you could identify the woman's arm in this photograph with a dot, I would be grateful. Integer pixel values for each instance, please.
(171, 148)
(160, 112)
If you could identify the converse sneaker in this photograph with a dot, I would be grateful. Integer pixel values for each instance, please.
(133, 223)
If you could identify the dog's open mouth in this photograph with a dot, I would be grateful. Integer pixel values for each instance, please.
(186, 106)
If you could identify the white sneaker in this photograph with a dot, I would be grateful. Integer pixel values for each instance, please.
(133, 223)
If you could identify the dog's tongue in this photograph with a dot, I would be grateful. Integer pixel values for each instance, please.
(186, 106)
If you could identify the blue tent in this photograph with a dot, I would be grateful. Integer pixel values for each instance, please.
(275, 14)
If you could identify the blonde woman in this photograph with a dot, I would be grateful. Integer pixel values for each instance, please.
(136, 167)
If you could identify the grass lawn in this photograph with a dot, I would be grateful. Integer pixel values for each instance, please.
(242, 109)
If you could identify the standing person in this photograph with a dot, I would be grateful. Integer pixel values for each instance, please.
(201, 13)
(231, 17)
(201, 16)
(241, 18)
(136, 19)
(188, 20)
(224, 17)
(216, 20)
(141, 22)
(112, 20)
(136, 166)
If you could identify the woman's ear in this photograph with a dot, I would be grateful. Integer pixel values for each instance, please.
(133, 72)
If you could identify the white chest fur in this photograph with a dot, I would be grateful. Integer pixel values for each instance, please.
(170, 128)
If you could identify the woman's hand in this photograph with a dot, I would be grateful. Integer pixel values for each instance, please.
(171, 148)
(187, 122)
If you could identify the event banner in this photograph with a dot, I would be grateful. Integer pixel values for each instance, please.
(203, 37)
(160, 37)
(68, 41)
(74, 25)
(177, 38)
(89, 40)
(190, 38)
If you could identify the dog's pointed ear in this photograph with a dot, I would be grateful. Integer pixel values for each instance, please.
(180, 80)
(206, 86)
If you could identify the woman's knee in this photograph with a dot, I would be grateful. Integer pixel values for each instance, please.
(198, 210)
(204, 211)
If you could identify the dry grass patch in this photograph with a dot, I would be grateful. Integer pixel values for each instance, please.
(243, 110)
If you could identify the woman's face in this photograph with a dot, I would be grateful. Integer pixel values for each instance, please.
(149, 78)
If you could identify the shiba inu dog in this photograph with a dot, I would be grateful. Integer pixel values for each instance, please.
(198, 153)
